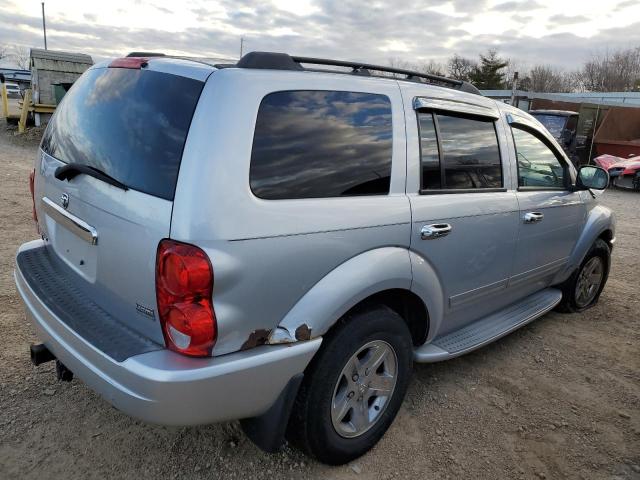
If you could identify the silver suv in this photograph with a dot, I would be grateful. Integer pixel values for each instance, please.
(278, 240)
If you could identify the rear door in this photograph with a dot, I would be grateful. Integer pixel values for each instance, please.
(131, 125)
(550, 212)
(464, 211)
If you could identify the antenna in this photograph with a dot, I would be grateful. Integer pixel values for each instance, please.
(44, 27)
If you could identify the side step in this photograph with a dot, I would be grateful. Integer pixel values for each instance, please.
(488, 329)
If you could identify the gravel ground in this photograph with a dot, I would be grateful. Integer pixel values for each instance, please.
(559, 398)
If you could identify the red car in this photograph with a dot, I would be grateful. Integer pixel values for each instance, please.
(624, 173)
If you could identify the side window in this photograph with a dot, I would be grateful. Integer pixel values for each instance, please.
(318, 144)
(458, 153)
(538, 165)
(430, 159)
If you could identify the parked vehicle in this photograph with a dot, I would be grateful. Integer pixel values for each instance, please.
(13, 90)
(278, 243)
(562, 124)
(624, 173)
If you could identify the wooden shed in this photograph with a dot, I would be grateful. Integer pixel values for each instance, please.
(51, 67)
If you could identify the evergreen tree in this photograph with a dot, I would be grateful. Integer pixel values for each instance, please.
(488, 74)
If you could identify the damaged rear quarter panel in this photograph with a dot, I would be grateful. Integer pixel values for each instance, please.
(319, 287)
(345, 286)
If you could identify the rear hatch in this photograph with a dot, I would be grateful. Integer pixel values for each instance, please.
(119, 133)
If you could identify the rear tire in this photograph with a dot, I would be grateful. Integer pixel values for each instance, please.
(582, 290)
(363, 369)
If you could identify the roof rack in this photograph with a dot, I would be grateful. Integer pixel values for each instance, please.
(146, 54)
(283, 61)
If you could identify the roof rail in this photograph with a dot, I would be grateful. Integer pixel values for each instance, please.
(145, 54)
(282, 61)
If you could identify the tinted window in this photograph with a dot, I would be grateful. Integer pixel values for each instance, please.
(314, 144)
(538, 166)
(554, 123)
(429, 152)
(470, 157)
(131, 124)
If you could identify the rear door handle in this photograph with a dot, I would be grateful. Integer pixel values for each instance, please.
(533, 217)
(436, 230)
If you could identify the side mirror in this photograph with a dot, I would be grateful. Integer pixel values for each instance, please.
(591, 176)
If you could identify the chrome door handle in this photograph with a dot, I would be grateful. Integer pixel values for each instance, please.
(437, 230)
(533, 217)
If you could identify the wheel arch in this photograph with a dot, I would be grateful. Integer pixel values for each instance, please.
(403, 302)
(379, 276)
(600, 223)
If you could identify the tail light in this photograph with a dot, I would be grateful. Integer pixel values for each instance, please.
(32, 189)
(184, 285)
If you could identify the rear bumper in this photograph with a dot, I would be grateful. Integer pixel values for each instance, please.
(164, 387)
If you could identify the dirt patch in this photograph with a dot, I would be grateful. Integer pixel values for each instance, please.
(559, 398)
(30, 138)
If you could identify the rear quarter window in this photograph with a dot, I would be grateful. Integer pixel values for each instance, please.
(317, 144)
(131, 124)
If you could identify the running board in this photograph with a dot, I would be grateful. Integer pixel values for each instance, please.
(488, 329)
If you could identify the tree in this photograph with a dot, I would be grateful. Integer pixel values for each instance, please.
(544, 78)
(488, 74)
(431, 67)
(3, 51)
(21, 57)
(460, 68)
(612, 71)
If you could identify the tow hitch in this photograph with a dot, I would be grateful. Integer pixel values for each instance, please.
(41, 354)
(62, 372)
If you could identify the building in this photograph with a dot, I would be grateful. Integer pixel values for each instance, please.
(50, 68)
(21, 77)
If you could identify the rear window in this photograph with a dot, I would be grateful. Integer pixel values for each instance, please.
(318, 144)
(131, 124)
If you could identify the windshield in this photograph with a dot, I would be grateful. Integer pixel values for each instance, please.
(554, 123)
(128, 123)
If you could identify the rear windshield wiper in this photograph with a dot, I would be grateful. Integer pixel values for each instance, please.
(71, 170)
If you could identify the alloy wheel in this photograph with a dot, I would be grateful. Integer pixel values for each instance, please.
(589, 281)
(364, 388)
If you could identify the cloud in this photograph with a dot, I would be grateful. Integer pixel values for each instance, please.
(415, 30)
(568, 19)
(563, 50)
(516, 6)
(626, 4)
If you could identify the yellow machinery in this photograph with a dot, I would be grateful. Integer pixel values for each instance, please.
(26, 106)
(5, 101)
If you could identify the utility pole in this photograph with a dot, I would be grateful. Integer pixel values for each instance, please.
(241, 45)
(514, 87)
(44, 27)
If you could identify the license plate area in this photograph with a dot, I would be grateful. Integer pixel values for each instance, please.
(74, 241)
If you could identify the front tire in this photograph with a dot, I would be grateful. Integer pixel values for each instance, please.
(583, 288)
(354, 387)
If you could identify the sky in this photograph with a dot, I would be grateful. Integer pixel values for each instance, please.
(561, 33)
